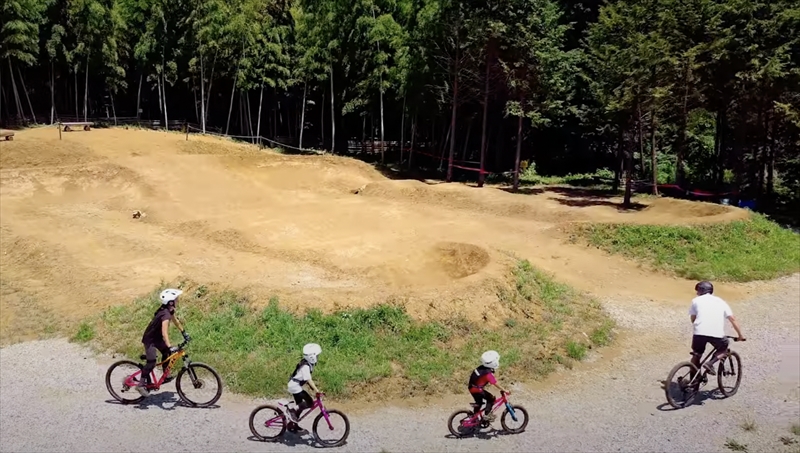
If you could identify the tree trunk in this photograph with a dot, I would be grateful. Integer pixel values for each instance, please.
(113, 109)
(52, 93)
(466, 140)
(653, 127)
(139, 97)
(166, 116)
(86, 93)
(481, 176)
(202, 95)
(402, 130)
(194, 94)
(249, 117)
(77, 111)
(628, 186)
(322, 118)
(771, 166)
(413, 135)
(519, 152)
(681, 145)
(718, 144)
(258, 123)
(333, 118)
(618, 160)
(16, 93)
(27, 96)
(230, 107)
(447, 139)
(453, 118)
(210, 84)
(640, 133)
(2, 93)
(303, 115)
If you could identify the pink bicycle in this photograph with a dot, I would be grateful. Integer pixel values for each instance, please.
(470, 422)
(275, 421)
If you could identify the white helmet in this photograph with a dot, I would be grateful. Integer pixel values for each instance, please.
(311, 351)
(169, 295)
(490, 359)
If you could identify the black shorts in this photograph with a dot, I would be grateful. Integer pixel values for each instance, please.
(699, 343)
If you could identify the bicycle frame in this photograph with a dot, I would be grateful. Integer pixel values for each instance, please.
(476, 418)
(317, 404)
(701, 370)
(170, 361)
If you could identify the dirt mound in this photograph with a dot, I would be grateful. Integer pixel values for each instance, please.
(462, 197)
(41, 152)
(460, 260)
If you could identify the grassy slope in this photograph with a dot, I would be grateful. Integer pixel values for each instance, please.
(255, 349)
(746, 250)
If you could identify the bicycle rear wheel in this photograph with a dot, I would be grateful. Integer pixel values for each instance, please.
(730, 366)
(514, 426)
(677, 387)
(267, 423)
(340, 424)
(201, 377)
(456, 424)
(124, 369)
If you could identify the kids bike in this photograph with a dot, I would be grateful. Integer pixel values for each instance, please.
(689, 378)
(331, 427)
(193, 376)
(463, 423)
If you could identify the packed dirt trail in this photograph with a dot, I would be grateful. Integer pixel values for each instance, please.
(317, 231)
(53, 399)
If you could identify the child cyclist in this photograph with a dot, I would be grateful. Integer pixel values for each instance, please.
(300, 377)
(483, 376)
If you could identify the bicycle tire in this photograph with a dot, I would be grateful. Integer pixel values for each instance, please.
(671, 374)
(452, 429)
(737, 368)
(110, 387)
(253, 426)
(183, 396)
(339, 442)
(517, 411)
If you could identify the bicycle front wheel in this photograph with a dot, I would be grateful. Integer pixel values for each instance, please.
(514, 426)
(116, 376)
(730, 367)
(682, 385)
(461, 424)
(267, 423)
(336, 433)
(203, 382)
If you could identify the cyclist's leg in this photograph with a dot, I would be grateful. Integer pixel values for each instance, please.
(303, 401)
(478, 397)
(720, 349)
(698, 348)
(151, 353)
(490, 399)
(164, 354)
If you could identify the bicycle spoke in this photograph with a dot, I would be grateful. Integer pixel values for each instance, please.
(332, 430)
(268, 423)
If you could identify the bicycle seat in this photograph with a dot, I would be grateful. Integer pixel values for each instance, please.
(142, 357)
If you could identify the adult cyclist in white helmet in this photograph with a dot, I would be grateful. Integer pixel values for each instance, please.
(300, 377)
(480, 378)
(156, 337)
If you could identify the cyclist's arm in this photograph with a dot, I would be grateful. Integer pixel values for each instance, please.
(735, 325)
(693, 317)
(178, 323)
(313, 386)
(165, 331)
(493, 381)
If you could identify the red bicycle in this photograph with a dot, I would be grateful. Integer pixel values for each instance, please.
(275, 422)
(470, 422)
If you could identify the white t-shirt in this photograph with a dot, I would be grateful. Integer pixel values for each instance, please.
(303, 374)
(711, 312)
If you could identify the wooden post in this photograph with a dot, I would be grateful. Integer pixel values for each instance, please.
(59, 131)
(186, 126)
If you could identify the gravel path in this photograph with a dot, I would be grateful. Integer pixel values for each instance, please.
(614, 403)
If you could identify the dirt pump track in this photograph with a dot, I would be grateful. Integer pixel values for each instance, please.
(317, 231)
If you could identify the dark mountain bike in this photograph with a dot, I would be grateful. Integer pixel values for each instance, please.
(685, 380)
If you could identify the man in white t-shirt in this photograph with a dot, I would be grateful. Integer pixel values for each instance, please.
(708, 313)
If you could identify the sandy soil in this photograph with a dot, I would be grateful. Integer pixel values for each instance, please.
(320, 231)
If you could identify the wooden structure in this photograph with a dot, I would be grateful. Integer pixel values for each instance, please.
(68, 126)
(8, 135)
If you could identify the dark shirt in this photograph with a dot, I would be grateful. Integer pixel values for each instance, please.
(479, 378)
(152, 334)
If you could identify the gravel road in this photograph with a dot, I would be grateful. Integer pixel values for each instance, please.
(613, 403)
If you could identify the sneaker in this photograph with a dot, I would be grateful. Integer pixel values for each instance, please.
(490, 417)
(709, 368)
(293, 427)
(142, 390)
(292, 416)
(168, 379)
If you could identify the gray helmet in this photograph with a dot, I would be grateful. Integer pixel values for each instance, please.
(704, 287)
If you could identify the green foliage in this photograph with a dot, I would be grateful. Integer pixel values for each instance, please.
(745, 250)
(85, 333)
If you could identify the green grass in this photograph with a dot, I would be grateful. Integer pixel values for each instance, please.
(255, 347)
(795, 429)
(745, 250)
(733, 445)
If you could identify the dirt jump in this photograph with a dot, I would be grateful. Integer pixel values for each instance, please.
(94, 220)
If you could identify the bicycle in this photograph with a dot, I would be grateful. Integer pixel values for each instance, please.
(690, 383)
(191, 369)
(276, 418)
(475, 420)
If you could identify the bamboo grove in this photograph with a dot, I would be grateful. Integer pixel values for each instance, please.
(701, 93)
